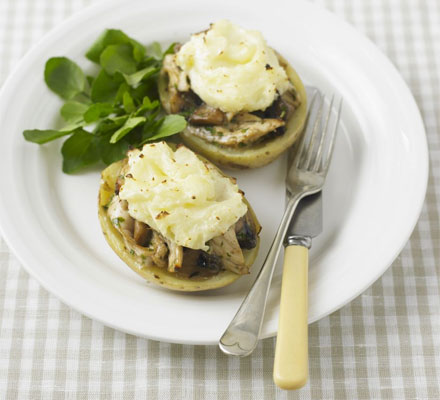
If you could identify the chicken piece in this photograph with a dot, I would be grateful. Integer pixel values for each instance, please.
(226, 246)
(177, 82)
(177, 77)
(143, 241)
(118, 184)
(175, 256)
(121, 219)
(160, 250)
(237, 133)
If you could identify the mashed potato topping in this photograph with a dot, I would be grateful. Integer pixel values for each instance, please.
(184, 198)
(232, 68)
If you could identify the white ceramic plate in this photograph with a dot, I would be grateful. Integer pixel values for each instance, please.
(372, 199)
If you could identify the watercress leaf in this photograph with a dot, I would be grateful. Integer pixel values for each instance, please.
(79, 150)
(97, 111)
(110, 37)
(72, 111)
(109, 125)
(105, 87)
(145, 88)
(138, 53)
(43, 136)
(122, 89)
(149, 62)
(119, 120)
(71, 126)
(150, 127)
(129, 125)
(169, 50)
(111, 152)
(128, 103)
(118, 58)
(147, 105)
(64, 77)
(155, 50)
(138, 76)
(171, 125)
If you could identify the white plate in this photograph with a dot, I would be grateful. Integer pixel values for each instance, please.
(372, 199)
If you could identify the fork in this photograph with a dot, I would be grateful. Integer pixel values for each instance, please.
(306, 176)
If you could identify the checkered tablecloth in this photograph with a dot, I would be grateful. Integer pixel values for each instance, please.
(383, 345)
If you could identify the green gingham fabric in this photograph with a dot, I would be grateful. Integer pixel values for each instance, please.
(383, 345)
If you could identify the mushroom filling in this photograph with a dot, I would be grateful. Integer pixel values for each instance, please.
(152, 248)
(225, 129)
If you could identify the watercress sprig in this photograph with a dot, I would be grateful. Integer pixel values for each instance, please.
(115, 109)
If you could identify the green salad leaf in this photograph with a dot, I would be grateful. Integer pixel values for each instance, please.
(43, 136)
(111, 37)
(171, 125)
(105, 87)
(64, 77)
(155, 50)
(79, 151)
(118, 58)
(72, 111)
(113, 152)
(113, 110)
(97, 111)
(128, 126)
(136, 77)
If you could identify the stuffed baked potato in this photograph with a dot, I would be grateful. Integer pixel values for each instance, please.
(159, 259)
(238, 138)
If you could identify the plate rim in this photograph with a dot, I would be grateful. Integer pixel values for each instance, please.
(66, 25)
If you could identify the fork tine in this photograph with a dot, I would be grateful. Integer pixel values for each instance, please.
(318, 157)
(315, 130)
(300, 151)
(332, 140)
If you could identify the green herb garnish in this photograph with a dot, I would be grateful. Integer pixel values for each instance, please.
(117, 221)
(116, 109)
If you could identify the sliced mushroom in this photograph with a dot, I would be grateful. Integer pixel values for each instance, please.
(125, 224)
(284, 106)
(246, 232)
(200, 264)
(210, 262)
(141, 233)
(207, 115)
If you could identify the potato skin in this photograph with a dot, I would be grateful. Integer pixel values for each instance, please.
(151, 272)
(256, 155)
